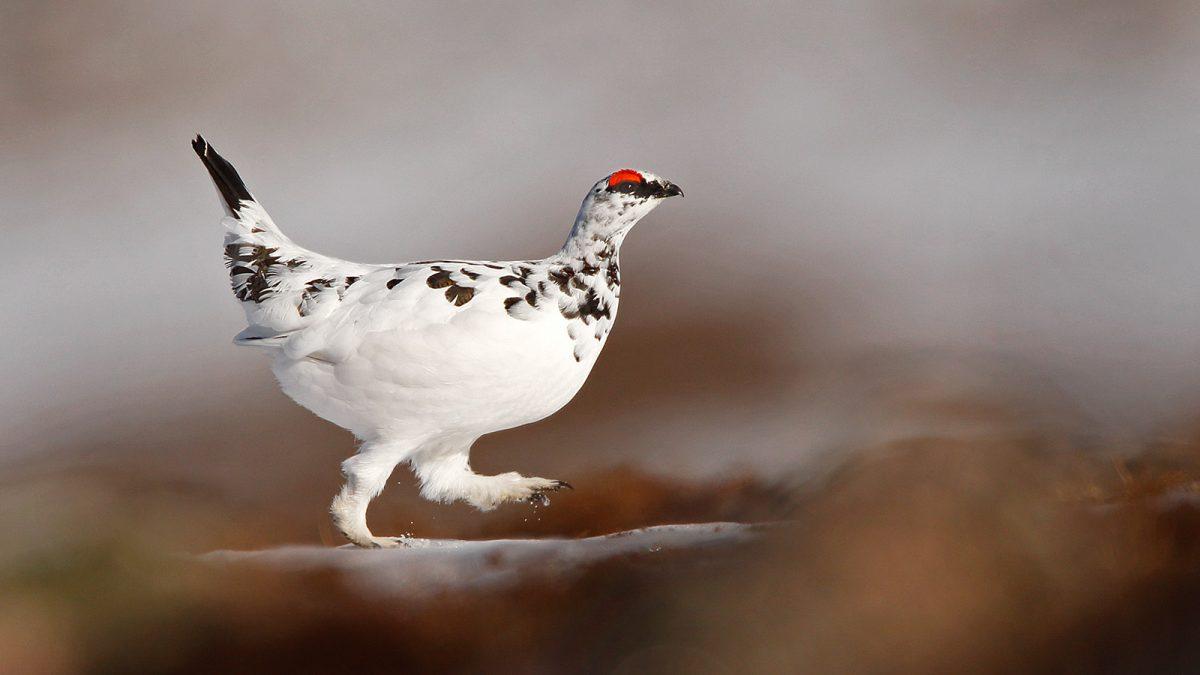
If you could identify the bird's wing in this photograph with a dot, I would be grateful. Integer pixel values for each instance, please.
(446, 304)
(282, 287)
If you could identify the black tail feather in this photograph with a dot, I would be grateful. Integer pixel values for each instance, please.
(228, 182)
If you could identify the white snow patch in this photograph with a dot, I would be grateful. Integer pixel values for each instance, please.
(428, 566)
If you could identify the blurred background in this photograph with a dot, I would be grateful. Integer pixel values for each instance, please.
(936, 261)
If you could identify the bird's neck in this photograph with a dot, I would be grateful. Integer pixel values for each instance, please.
(593, 262)
(597, 234)
(591, 251)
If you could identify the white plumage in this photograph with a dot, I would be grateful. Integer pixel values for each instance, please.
(420, 359)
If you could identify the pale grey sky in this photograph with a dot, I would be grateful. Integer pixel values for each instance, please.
(1014, 177)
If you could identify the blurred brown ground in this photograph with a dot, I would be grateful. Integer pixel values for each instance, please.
(925, 556)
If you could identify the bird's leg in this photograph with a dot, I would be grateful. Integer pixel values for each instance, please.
(366, 475)
(447, 477)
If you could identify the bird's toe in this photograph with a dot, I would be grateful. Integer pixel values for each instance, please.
(388, 542)
(540, 486)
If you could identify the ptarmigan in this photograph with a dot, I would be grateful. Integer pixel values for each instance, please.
(420, 359)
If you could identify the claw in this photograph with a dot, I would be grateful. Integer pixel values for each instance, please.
(560, 484)
(384, 542)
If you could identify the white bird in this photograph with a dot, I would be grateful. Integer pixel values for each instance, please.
(420, 359)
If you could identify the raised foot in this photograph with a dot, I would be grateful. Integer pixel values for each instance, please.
(534, 490)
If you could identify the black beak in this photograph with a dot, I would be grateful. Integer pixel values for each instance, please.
(667, 189)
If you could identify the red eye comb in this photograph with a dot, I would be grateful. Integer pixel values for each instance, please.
(624, 176)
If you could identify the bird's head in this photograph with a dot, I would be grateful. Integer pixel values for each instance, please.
(630, 186)
(617, 201)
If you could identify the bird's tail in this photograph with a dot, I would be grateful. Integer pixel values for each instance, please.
(279, 283)
(229, 184)
(249, 216)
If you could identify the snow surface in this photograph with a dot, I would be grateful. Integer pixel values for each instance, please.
(428, 566)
